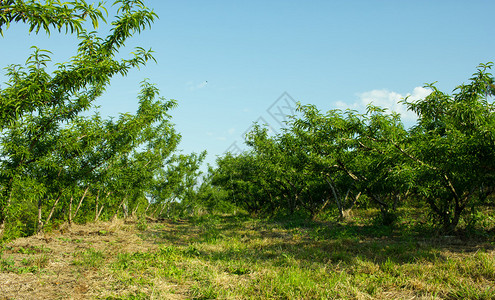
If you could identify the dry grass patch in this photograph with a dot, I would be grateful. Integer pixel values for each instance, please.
(71, 263)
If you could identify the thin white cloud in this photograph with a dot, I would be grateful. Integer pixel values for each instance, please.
(387, 99)
(192, 86)
(221, 137)
(343, 105)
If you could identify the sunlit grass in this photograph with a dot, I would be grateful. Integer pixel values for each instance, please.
(237, 257)
(90, 258)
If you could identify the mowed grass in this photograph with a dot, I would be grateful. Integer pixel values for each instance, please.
(237, 257)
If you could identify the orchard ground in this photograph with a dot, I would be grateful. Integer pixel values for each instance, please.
(238, 257)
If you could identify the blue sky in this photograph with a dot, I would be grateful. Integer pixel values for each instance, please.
(334, 54)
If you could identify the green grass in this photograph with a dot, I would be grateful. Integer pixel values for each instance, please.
(90, 258)
(236, 257)
(35, 259)
(233, 257)
(32, 264)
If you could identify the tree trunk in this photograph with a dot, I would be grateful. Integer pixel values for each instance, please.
(40, 220)
(451, 222)
(347, 210)
(163, 207)
(118, 208)
(96, 205)
(39, 227)
(147, 207)
(70, 210)
(322, 207)
(337, 200)
(80, 202)
(134, 211)
(125, 210)
(99, 212)
(53, 208)
(295, 197)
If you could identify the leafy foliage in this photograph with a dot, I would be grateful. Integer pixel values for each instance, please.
(445, 161)
(53, 159)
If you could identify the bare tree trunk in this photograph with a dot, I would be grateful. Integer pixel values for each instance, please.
(125, 210)
(147, 207)
(153, 214)
(134, 211)
(70, 210)
(80, 202)
(53, 208)
(337, 197)
(40, 222)
(96, 205)
(163, 207)
(347, 211)
(118, 208)
(322, 207)
(99, 212)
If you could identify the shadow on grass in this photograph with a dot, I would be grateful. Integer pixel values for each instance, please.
(252, 240)
(176, 232)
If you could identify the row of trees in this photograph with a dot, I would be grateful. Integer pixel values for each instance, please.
(57, 165)
(444, 163)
